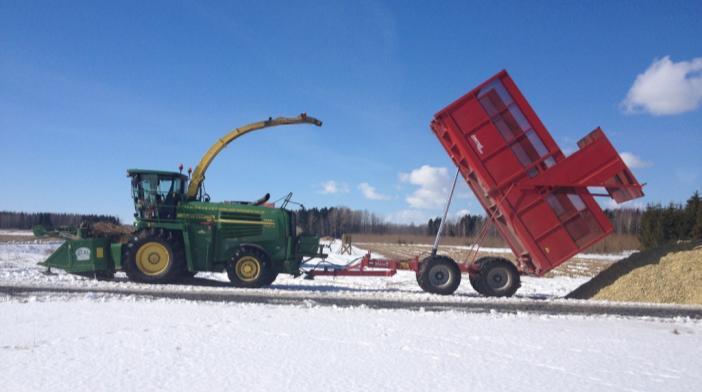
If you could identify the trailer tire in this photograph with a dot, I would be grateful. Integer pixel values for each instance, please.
(498, 277)
(250, 268)
(474, 278)
(150, 258)
(439, 275)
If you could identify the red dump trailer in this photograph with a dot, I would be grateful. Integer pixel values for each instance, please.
(536, 196)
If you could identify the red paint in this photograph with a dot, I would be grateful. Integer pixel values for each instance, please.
(369, 267)
(536, 197)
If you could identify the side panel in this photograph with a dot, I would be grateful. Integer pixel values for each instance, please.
(116, 252)
(201, 245)
(217, 230)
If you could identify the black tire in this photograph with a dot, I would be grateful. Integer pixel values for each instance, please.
(271, 278)
(439, 275)
(498, 278)
(475, 283)
(105, 275)
(250, 268)
(474, 279)
(151, 258)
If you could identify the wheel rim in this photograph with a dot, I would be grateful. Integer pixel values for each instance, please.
(153, 258)
(499, 278)
(248, 268)
(439, 276)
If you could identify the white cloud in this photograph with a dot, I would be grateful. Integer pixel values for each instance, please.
(666, 88)
(434, 186)
(370, 193)
(461, 213)
(612, 205)
(633, 161)
(408, 216)
(331, 187)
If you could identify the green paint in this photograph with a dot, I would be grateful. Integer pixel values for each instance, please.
(209, 233)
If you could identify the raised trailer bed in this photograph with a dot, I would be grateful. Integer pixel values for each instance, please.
(536, 196)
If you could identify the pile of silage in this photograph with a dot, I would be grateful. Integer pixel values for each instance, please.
(667, 274)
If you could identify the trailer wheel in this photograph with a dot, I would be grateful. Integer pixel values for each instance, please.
(250, 268)
(439, 275)
(474, 278)
(475, 283)
(152, 259)
(498, 278)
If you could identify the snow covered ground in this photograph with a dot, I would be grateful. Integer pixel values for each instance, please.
(107, 344)
(102, 342)
(16, 233)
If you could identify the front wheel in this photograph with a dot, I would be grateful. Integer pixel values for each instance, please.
(439, 275)
(152, 259)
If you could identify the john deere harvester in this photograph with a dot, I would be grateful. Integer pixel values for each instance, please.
(178, 231)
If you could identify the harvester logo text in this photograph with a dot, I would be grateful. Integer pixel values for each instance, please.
(83, 254)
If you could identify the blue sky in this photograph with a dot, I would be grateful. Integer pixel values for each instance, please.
(89, 89)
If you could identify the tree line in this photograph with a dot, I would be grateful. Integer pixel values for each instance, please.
(654, 225)
(674, 222)
(27, 220)
(335, 221)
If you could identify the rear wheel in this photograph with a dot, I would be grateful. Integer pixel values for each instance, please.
(153, 259)
(474, 278)
(439, 275)
(250, 268)
(475, 283)
(497, 278)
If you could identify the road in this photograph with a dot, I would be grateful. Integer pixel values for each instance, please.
(472, 305)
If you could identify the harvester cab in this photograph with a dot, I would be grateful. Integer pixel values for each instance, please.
(156, 194)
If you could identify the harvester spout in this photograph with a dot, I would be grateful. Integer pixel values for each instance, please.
(199, 174)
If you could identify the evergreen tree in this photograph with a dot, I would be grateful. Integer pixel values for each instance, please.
(693, 212)
(651, 226)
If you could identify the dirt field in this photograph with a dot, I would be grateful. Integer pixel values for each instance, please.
(612, 244)
(11, 238)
